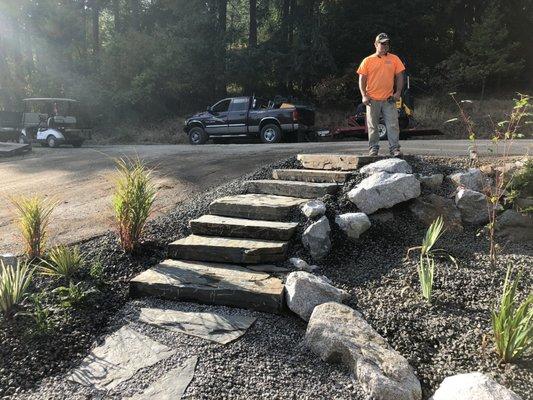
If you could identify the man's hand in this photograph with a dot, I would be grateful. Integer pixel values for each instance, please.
(397, 95)
(366, 100)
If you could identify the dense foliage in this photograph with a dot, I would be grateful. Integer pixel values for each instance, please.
(155, 58)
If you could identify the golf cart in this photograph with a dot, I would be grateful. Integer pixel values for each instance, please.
(53, 122)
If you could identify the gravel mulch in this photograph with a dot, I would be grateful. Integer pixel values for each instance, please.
(450, 336)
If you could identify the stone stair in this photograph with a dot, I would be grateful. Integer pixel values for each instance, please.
(248, 229)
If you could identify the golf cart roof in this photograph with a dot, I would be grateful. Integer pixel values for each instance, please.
(49, 99)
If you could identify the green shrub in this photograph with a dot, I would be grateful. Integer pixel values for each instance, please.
(72, 295)
(132, 201)
(14, 282)
(40, 314)
(512, 324)
(33, 219)
(64, 262)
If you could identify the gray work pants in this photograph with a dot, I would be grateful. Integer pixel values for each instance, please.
(390, 117)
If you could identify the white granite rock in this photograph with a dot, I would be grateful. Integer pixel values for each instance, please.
(383, 190)
(313, 208)
(316, 238)
(472, 179)
(432, 181)
(389, 165)
(304, 291)
(473, 206)
(353, 224)
(300, 264)
(472, 386)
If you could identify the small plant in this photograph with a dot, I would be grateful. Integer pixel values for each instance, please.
(97, 270)
(14, 282)
(512, 324)
(132, 201)
(64, 262)
(40, 314)
(426, 272)
(33, 219)
(72, 295)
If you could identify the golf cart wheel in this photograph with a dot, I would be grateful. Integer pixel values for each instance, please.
(382, 130)
(197, 136)
(270, 133)
(51, 141)
(77, 143)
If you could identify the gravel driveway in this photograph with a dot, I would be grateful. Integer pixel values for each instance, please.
(79, 179)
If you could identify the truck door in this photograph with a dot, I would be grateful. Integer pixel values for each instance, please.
(238, 111)
(218, 124)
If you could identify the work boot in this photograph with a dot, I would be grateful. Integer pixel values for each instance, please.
(396, 153)
(373, 152)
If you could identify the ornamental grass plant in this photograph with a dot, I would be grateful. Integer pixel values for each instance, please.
(132, 201)
(14, 282)
(33, 218)
(63, 262)
(512, 323)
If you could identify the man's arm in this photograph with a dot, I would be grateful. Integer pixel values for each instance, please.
(362, 89)
(398, 82)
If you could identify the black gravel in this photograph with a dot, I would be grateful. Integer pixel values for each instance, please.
(450, 336)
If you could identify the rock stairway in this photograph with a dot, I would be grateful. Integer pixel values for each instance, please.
(248, 229)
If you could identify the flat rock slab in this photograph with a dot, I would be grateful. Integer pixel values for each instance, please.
(256, 206)
(172, 385)
(311, 175)
(210, 283)
(122, 354)
(211, 326)
(8, 149)
(224, 249)
(342, 162)
(306, 190)
(244, 228)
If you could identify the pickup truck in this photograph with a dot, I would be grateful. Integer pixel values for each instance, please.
(252, 117)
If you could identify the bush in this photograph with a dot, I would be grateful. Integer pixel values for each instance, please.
(33, 219)
(14, 282)
(132, 201)
(64, 262)
(512, 324)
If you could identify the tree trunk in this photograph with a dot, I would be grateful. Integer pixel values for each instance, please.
(135, 21)
(116, 16)
(222, 11)
(252, 37)
(96, 28)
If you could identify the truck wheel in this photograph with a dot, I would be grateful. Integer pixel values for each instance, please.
(270, 133)
(197, 136)
(51, 141)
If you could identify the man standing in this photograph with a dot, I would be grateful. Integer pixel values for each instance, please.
(379, 74)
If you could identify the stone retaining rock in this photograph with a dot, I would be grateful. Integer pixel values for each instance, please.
(353, 224)
(338, 333)
(304, 291)
(472, 386)
(313, 209)
(389, 165)
(300, 264)
(431, 181)
(515, 226)
(316, 238)
(383, 190)
(472, 179)
(428, 208)
(473, 206)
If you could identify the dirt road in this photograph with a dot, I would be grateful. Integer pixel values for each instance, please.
(80, 179)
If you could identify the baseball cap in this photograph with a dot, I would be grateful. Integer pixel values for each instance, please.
(382, 38)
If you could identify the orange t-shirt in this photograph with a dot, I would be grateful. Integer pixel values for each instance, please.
(380, 71)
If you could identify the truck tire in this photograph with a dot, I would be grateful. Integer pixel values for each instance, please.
(270, 133)
(197, 136)
(51, 141)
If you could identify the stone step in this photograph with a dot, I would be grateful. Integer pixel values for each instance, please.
(224, 249)
(210, 283)
(311, 175)
(343, 162)
(216, 225)
(305, 190)
(256, 206)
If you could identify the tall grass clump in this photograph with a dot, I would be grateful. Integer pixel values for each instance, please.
(33, 218)
(14, 282)
(63, 262)
(512, 324)
(132, 201)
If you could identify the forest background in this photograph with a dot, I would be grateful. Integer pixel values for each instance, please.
(144, 61)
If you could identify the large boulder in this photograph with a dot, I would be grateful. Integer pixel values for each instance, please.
(353, 224)
(383, 190)
(389, 165)
(316, 238)
(431, 181)
(313, 208)
(428, 208)
(472, 386)
(473, 206)
(472, 179)
(305, 291)
(515, 226)
(338, 333)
